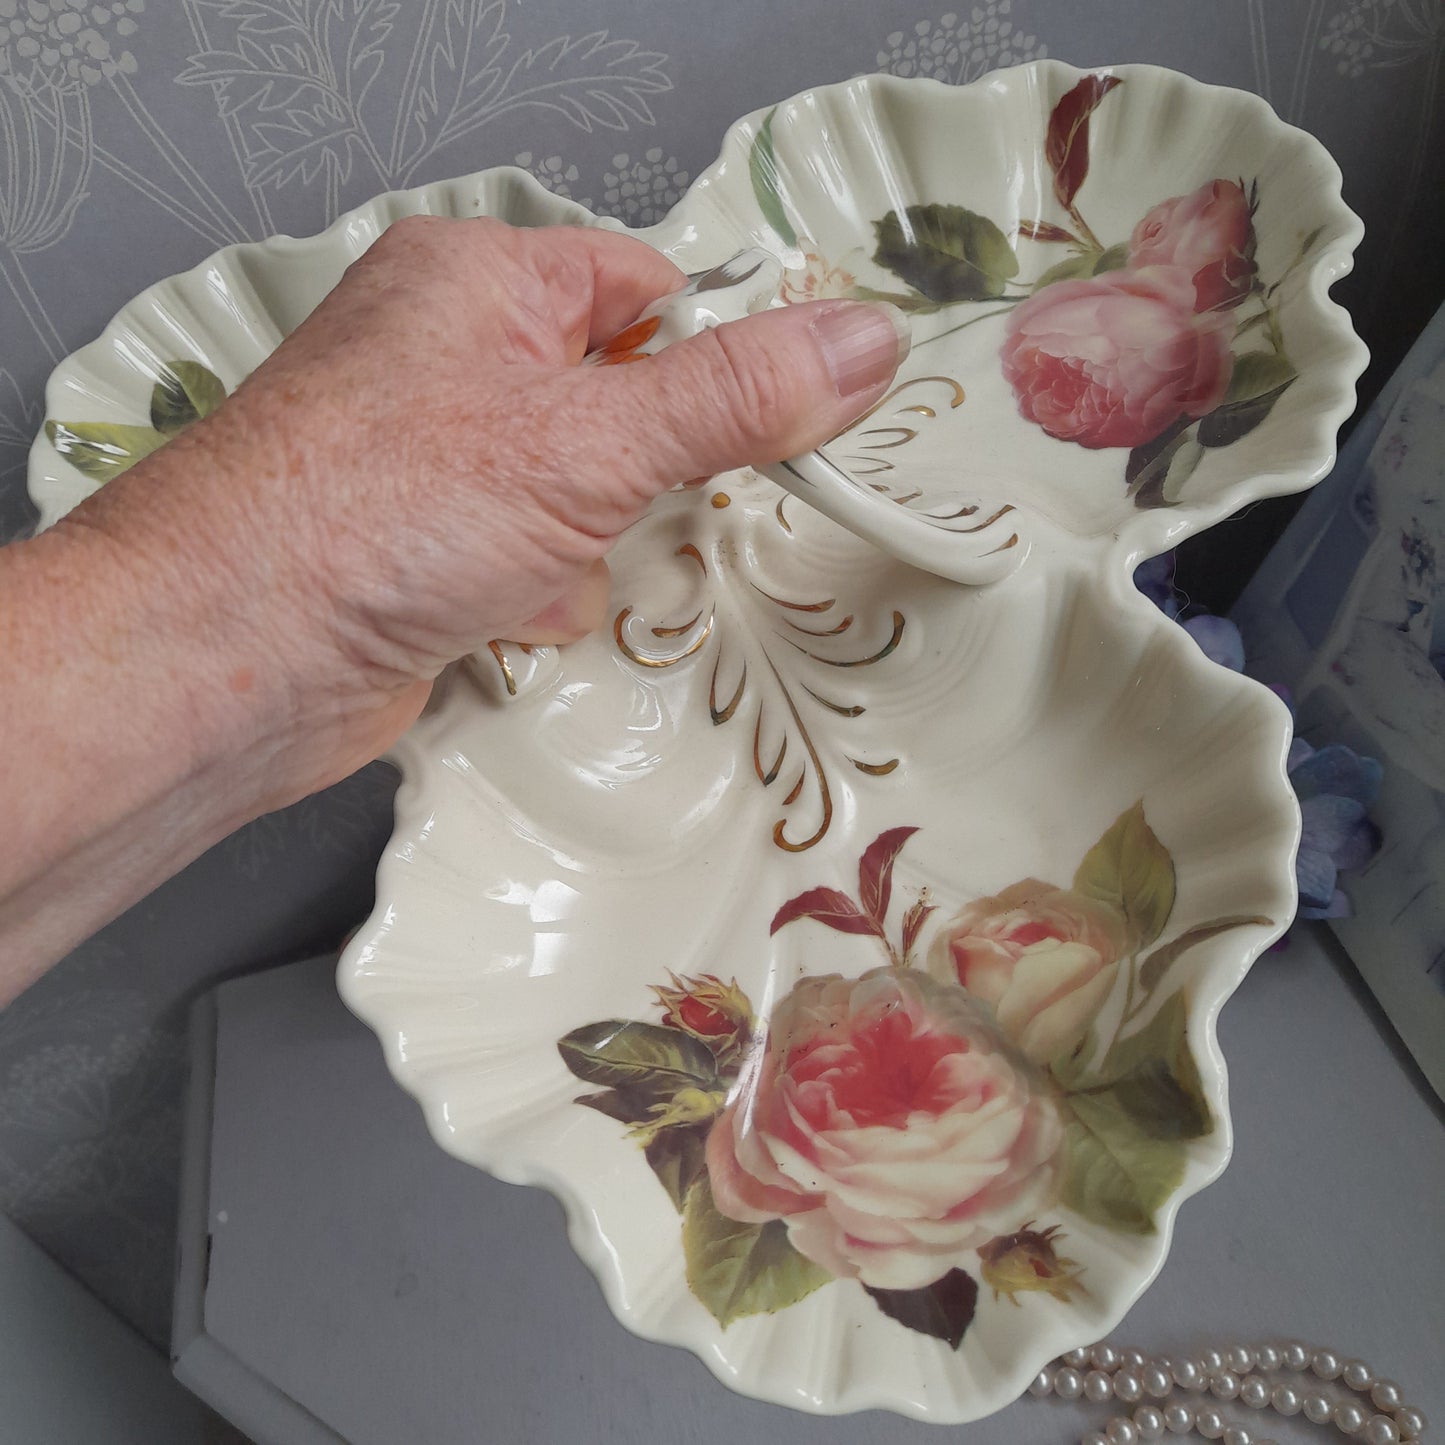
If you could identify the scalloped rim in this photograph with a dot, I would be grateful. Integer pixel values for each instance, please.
(1145, 534)
(51, 493)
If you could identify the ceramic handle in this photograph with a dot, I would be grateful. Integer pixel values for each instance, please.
(958, 546)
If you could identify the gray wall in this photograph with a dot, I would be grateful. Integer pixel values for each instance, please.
(145, 146)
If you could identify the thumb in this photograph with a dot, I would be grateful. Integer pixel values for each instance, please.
(752, 391)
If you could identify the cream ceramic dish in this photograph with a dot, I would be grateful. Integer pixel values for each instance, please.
(841, 945)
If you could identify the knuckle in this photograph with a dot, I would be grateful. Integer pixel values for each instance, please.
(753, 389)
(407, 233)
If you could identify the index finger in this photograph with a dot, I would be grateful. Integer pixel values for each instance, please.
(627, 275)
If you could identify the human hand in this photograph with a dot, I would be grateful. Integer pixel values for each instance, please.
(422, 466)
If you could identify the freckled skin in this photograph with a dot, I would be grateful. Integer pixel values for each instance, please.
(260, 607)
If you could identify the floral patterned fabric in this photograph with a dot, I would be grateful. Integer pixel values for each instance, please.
(143, 134)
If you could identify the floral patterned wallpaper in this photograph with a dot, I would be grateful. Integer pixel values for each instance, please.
(136, 136)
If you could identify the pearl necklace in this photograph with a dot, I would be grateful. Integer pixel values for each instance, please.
(1249, 1374)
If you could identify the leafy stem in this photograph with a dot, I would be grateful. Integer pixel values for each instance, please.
(1092, 242)
(867, 915)
(1004, 303)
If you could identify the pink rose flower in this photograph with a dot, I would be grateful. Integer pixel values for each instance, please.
(1044, 958)
(1210, 233)
(890, 1127)
(1113, 360)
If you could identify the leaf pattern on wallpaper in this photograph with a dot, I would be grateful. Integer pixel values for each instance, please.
(295, 77)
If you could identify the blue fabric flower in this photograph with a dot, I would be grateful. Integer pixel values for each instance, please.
(1155, 579)
(1218, 640)
(1335, 786)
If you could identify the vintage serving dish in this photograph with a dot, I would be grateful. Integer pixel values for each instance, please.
(843, 945)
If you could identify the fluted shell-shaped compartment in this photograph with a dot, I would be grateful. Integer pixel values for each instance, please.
(186, 342)
(1123, 273)
(841, 945)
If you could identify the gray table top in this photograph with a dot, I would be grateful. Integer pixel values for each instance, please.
(395, 1294)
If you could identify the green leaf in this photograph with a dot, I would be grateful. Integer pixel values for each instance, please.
(943, 1309)
(627, 1106)
(1112, 258)
(678, 1158)
(946, 252)
(763, 170)
(1153, 968)
(101, 450)
(1083, 265)
(1071, 268)
(635, 1057)
(1117, 1175)
(1259, 379)
(1130, 870)
(1257, 374)
(1161, 484)
(742, 1269)
(185, 392)
(1152, 1075)
(1162, 1105)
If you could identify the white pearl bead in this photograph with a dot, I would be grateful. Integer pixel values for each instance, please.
(1350, 1417)
(1380, 1430)
(1254, 1391)
(1326, 1364)
(1076, 1359)
(1041, 1383)
(1132, 1359)
(1188, 1375)
(1412, 1422)
(1224, 1385)
(1357, 1375)
(1150, 1420)
(1385, 1395)
(1210, 1423)
(1239, 1359)
(1121, 1431)
(1237, 1435)
(1286, 1400)
(1156, 1381)
(1104, 1357)
(1068, 1383)
(1269, 1358)
(1098, 1386)
(1096, 1437)
(1318, 1409)
(1178, 1418)
(1213, 1360)
(1127, 1387)
(1296, 1356)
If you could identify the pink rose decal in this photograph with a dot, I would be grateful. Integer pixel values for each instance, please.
(887, 1125)
(907, 1131)
(1210, 234)
(1114, 360)
(1044, 958)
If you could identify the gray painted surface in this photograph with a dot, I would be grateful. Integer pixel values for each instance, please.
(71, 1373)
(394, 1294)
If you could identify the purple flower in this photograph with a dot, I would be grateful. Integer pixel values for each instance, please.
(1218, 640)
(1155, 579)
(1335, 786)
